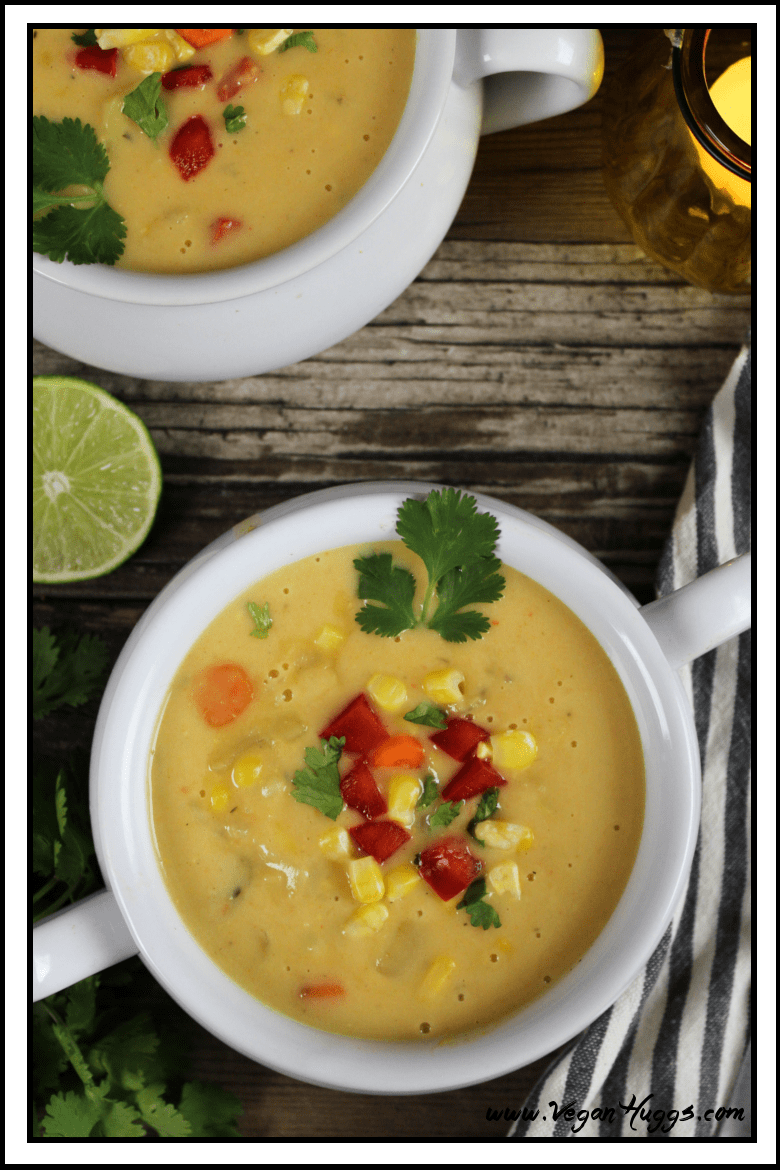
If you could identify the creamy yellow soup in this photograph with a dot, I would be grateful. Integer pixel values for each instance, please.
(264, 882)
(315, 126)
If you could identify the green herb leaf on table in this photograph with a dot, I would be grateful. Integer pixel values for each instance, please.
(456, 543)
(261, 616)
(427, 714)
(303, 40)
(318, 783)
(235, 118)
(145, 106)
(480, 912)
(445, 814)
(488, 803)
(66, 668)
(79, 226)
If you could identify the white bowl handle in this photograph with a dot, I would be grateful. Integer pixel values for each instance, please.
(529, 73)
(79, 941)
(702, 615)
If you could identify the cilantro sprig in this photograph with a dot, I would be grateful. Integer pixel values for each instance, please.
(66, 668)
(108, 1055)
(78, 225)
(488, 803)
(456, 543)
(318, 783)
(479, 911)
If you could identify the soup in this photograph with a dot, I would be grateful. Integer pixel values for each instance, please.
(469, 860)
(270, 132)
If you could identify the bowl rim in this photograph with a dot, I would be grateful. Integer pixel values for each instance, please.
(131, 708)
(431, 80)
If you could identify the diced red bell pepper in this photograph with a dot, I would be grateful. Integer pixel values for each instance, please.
(449, 866)
(244, 72)
(379, 838)
(360, 726)
(361, 792)
(188, 77)
(222, 226)
(459, 738)
(200, 37)
(192, 148)
(103, 60)
(474, 777)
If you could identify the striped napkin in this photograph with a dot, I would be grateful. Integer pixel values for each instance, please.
(674, 1052)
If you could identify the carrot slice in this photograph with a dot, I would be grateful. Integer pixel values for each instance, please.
(222, 693)
(398, 751)
(200, 37)
(321, 991)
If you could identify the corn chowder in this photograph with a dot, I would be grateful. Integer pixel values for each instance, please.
(394, 837)
(223, 145)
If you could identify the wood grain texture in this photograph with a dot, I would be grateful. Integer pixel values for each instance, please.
(540, 358)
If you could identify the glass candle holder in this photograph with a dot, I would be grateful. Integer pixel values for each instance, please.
(677, 153)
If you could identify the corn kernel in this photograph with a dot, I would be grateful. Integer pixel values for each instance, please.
(513, 749)
(443, 686)
(183, 49)
(367, 920)
(484, 750)
(437, 975)
(220, 795)
(247, 769)
(366, 880)
(505, 878)
(401, 880)
(263, 41)
(388, 692)
(150, 56)
(118, 38)
(335, 843)
(403, 792)
(504, 835)
(329, 638)
(293, 93)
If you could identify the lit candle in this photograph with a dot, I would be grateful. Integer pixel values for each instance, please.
(731, 95)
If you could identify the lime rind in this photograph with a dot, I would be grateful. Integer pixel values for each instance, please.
(96, 481)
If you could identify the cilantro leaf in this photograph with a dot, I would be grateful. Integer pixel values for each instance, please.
(480, 912)
(66, 668)
(262, 619)
(445, 814)
(427, 714)
(304, 40)
(446, 531)
(318, 783)
(475, 583)
(430, 791)
(210, 1110)
(144, 105)
(380, 580)
(85, 39)
(71, 1115)
(235, 118)
(79, 226)
(488, 804)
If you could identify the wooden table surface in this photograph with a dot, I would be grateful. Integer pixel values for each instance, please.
(539, 357)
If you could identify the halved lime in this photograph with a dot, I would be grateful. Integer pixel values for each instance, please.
(96, 480)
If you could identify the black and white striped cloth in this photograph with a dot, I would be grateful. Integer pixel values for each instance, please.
(679, 1037)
